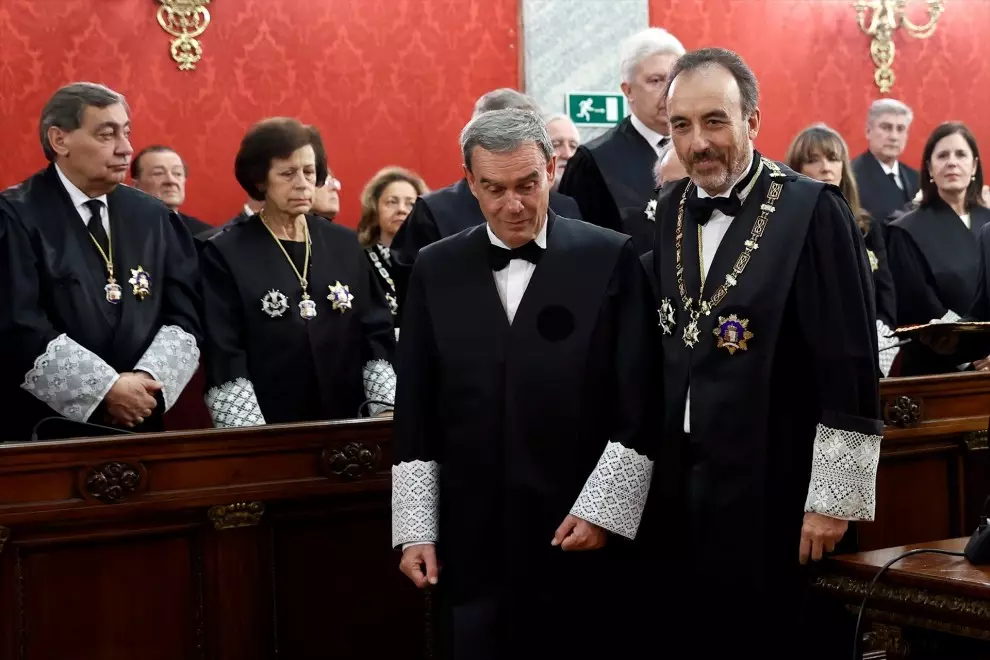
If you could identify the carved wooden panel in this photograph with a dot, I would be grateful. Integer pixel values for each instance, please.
(113, 481)
(352, 460)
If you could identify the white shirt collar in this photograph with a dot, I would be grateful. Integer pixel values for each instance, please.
(743, 194)
(77, 196)
(648, 133)
(541, 238)
(890, 169)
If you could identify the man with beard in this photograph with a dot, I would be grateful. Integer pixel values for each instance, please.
(161, 172)
(98, 282)
(771, 404)
(615, 170)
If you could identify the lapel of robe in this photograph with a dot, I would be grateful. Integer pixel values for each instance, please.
(735, 238)
(75, 240)
(689, 252)
(483, 304)
(133, 240)
(978, 218)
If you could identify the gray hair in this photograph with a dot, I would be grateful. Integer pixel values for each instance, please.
(646, 43)
(66, 107)
(888, 107)
(749, 87)
(503, 131)
(503, 99)
(556, 116)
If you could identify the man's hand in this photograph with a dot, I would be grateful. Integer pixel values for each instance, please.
(939, 340)
(982, 365)
(820, 534)
(131, 400)
(577, 534)
(419, 564)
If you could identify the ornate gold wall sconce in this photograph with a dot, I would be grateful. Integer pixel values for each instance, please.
(886, 17)
(185, 20)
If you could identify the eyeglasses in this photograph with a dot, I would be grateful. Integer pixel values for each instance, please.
(331, 182)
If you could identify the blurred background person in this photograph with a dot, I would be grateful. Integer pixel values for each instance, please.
(565, 139)
(886, 185)
(326, 201)
(161, 172)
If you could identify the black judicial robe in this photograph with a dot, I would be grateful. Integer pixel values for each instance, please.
(195, 226)
(880, 196)
(612, 172)
(934, 260)
(262, 367)
(498, 427)
(883, 281)
(445, 212)
(62, 344)
(790, 423)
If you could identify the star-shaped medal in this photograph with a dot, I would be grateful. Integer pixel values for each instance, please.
(274, 303)
(340, 297)
(140, 283)
(651, 210)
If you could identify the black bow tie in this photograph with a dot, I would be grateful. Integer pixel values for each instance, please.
(701, 208)
(500, 257)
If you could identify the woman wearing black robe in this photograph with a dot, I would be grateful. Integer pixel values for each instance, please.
(933, 250)
(298, 327)
(820, 152)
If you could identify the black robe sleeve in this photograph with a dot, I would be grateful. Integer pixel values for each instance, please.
(231, 398)
(583, 181)
(173, 356)
(418, 231)
(917, 297)
(379, 334)
(833, 297)
(36, 357)
(416, 468)
(615, 493)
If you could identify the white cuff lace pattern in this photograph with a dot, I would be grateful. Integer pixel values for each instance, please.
(70, 379)
(415, 502)
(615, 494)
(950, 317)
(379, 385)
(171, 359)
(234, 404)
(886, 344)
(844, 474)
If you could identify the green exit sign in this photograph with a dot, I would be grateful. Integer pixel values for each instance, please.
(596, 108)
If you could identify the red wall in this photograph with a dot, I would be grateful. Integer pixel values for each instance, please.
(813, 63)
(385, 81)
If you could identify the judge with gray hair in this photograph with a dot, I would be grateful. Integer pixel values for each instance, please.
(523, 438)
(615, 170)
(886, 185)
(98, 282)
(452, 209)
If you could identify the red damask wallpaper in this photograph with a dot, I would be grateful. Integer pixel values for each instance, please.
(386, 81)
(813, 63)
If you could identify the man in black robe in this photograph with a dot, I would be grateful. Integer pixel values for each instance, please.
(522, 412)
(453, 209)
(615, 170)
(769, 363)
(161, 172)
(886, 185)
(98, 281)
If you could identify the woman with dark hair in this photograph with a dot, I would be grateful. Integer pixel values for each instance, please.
(820, 153)
(298, 328)
(386, 202)
(933, 250)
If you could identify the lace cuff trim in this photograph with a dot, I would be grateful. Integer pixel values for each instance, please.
(844, 474)
(69, 379)
(415, 502)
(171, 359)
(950, 317)
(886, 344)
(379, 385)
(234, 404)
(615, 494)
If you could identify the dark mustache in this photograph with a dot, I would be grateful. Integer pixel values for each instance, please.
(707, 154)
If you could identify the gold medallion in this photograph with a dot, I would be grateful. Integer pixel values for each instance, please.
(140, 283)
(733, 333)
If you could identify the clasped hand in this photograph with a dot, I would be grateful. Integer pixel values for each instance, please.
(131, 400)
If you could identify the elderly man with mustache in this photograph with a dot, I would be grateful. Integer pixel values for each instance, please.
(771, 404)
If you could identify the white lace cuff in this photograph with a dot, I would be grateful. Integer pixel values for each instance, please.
(886, 344)
(415, 502)
(69, 379)
(171, 359)
(844, 474)
(234, 404)
(615, 494)
(950, 317)
(379, 385)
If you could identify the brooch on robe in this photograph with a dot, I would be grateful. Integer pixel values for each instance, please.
(340, 297)
(274, 303)
(667, 319)
(651, 210)
(733, 333)
(140, 282)
(393, 303)
(874, 262)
